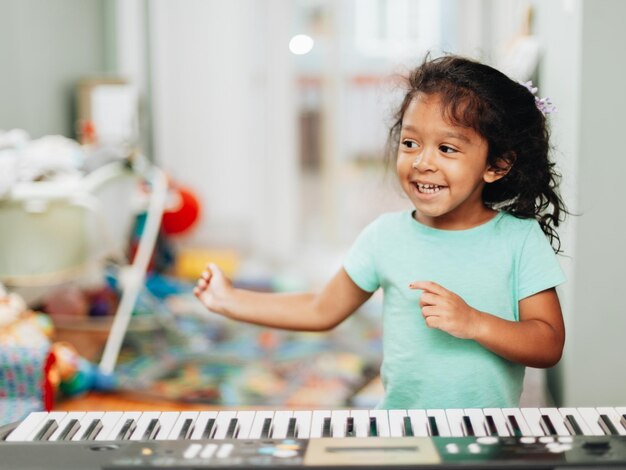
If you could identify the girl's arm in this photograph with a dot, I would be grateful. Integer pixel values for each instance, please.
(536, 340)
(304, 312)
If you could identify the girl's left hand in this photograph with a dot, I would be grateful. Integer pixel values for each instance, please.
(446, 311)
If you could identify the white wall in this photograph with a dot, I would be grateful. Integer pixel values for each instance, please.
(225, 118)
(583, 72)
(45, 48)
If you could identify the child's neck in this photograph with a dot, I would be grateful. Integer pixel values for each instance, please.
(452, 221)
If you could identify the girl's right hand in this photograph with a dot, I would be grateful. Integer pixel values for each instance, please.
(213, 289)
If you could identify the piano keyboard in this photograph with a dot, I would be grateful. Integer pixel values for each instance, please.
(265, 424)
(523, 438)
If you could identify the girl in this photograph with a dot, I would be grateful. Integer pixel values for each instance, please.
(468, 275)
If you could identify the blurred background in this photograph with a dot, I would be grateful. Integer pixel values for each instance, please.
(268, 119)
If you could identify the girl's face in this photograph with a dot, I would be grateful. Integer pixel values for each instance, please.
(443, 167)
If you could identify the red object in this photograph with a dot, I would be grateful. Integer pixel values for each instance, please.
(184, 212)
(48, 387)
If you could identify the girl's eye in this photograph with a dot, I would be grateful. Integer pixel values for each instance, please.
(446, 149)
(410, 144)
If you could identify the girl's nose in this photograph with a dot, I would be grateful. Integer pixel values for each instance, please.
(424, 161)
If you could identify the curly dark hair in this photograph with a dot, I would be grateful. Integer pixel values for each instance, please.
(504, 113)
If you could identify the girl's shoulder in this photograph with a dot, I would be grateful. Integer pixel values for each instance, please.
(517, 226)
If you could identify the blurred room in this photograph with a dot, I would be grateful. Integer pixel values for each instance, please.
(268, 121)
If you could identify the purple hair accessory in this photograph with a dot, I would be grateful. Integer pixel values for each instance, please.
(543, 104)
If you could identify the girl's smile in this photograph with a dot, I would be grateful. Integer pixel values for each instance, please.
(443, 167)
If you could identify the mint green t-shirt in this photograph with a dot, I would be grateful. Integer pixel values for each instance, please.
(491, 267)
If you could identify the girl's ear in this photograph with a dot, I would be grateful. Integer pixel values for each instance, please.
(502, 166)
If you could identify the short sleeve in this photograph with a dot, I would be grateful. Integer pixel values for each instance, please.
(360, 262)
(539, 268)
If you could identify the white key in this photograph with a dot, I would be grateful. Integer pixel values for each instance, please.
(557, 420)
(361, 422)
(382, 421)
(257, 424)
(521, 421)
(25, 429)
(591, 416)
(167, 420)
(614, 417)
(579, 419)
(419, 421)
(477, 418)
(115, 430)
(317, 422)
(281, 423)
(55, 415)
(621, 412)
(533, 419)
(89, 417)
(142, 424)
(109, 420)
(396, 422)
(442, 422)
(339, 418)
(245, 419)
(455, 421)
(498, 418)
(201, 422)
(180, 422)
(222, 422)
(303, 426)
(65, 421)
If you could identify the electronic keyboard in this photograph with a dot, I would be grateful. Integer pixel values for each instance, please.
(450, 438)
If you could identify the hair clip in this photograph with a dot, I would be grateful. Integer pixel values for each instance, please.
(543, 104)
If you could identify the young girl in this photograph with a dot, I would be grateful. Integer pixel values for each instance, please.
(468, 275)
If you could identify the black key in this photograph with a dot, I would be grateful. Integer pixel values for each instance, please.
(152, 430)
(468, 427)
(47, 430)
(350, 432)
(408, 427)
(547, 425)
(515, 429)
(267, 426)
(186, 429)
(233, 429)
(607, 425)
(572, 425)
(70, 430)
(326, 428)
(209, 430)
(492, 430)
(373, 426)
(92, 431)
(433, 429)
(127, 429)
(291, 428)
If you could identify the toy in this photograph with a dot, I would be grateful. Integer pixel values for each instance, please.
(33, 367)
